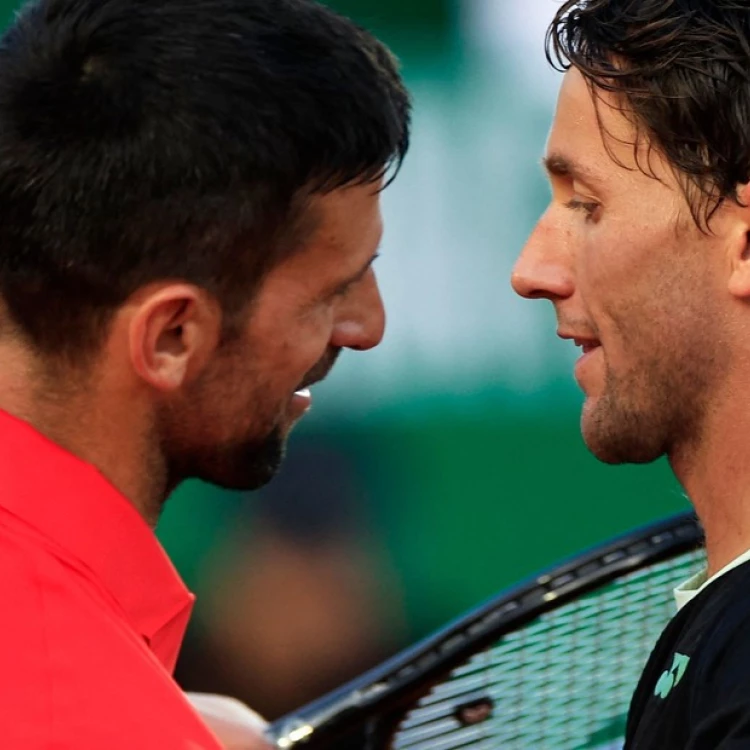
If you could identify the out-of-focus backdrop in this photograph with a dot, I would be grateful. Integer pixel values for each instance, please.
(446, 464)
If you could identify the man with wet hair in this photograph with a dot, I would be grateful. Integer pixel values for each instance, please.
(644, 251)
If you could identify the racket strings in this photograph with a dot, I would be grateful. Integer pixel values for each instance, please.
(563, 681)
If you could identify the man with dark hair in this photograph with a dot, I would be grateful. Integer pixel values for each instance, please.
(190, 211)
(644, 251)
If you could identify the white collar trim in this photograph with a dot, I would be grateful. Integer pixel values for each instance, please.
(689, 589)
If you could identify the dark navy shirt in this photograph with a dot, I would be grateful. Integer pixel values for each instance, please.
(694, 693)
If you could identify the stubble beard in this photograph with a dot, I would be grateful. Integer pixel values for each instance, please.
(249, 465)
(656, 410)
(247, 461)
(243, 465)
(203, 439)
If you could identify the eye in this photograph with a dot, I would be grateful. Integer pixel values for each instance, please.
(343, 289)
(589, 208)
(346, 286)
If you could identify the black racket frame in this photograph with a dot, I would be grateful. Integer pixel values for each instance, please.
(376, 700)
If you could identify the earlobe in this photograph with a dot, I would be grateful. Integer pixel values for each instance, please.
(739, 245)
(739, 266)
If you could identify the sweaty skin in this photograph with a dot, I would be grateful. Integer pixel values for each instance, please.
(658, 304)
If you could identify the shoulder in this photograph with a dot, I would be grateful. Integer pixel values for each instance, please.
(84, 677)
(26, 638)
(697, 671)
(721, 660)
(21, 591)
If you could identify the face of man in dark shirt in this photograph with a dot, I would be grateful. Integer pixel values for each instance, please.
(635, 282)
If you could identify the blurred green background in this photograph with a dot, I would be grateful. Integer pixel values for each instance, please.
(448, 463)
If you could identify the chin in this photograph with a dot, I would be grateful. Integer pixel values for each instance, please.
(254, 468)
(242, 466)
(620, 438)
(242, 481)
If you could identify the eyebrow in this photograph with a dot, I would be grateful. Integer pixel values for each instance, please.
(558, 165)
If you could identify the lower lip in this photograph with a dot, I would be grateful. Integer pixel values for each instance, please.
(301, 402)
(583, 361)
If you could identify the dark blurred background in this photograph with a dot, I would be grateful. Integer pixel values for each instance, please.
(446, 464)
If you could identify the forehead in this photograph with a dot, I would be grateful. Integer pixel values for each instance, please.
(348, 231)
(343, 229)
(349, 215)
(593, 134)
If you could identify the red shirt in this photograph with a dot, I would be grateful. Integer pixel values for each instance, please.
(92, 612)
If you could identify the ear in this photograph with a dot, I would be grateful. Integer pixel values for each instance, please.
(738, 244)
(173, 332)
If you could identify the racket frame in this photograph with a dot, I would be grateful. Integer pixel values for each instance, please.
(376, 699)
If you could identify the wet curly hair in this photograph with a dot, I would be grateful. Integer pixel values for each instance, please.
(682, 70)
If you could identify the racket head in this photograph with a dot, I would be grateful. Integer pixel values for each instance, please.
(511, 672)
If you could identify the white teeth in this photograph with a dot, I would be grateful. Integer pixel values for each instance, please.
(304, 392)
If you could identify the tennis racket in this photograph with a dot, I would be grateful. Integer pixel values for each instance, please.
(551, 663)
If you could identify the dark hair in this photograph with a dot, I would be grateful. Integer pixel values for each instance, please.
(150, 139)
(682, 68)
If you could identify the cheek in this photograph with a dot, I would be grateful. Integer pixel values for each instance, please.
(231, 399)
(622, 283)
(602, 275)
(648, 295)
(291, 351)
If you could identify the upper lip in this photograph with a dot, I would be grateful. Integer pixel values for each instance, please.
(318, 373)
(307, 383)
(579, 340)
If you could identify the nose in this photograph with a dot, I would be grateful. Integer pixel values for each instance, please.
(360, 319)
(544, 269)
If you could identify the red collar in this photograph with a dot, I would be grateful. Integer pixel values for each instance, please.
(68, 501)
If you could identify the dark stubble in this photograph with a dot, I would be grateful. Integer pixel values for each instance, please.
(660, 406)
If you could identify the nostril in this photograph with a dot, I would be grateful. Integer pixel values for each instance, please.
(545, 283)
(540, 294)
(523, 286)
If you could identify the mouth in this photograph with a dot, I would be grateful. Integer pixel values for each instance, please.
(316, 375)
(303, 390)
(300, 403)
(588, 359)
(587, 345)
(302, 398)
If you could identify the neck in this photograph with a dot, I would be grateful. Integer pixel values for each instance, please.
(715, 472)
(111, 433)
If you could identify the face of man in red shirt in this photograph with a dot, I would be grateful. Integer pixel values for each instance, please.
(186, 259)
(169, 396)
(221, 409)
